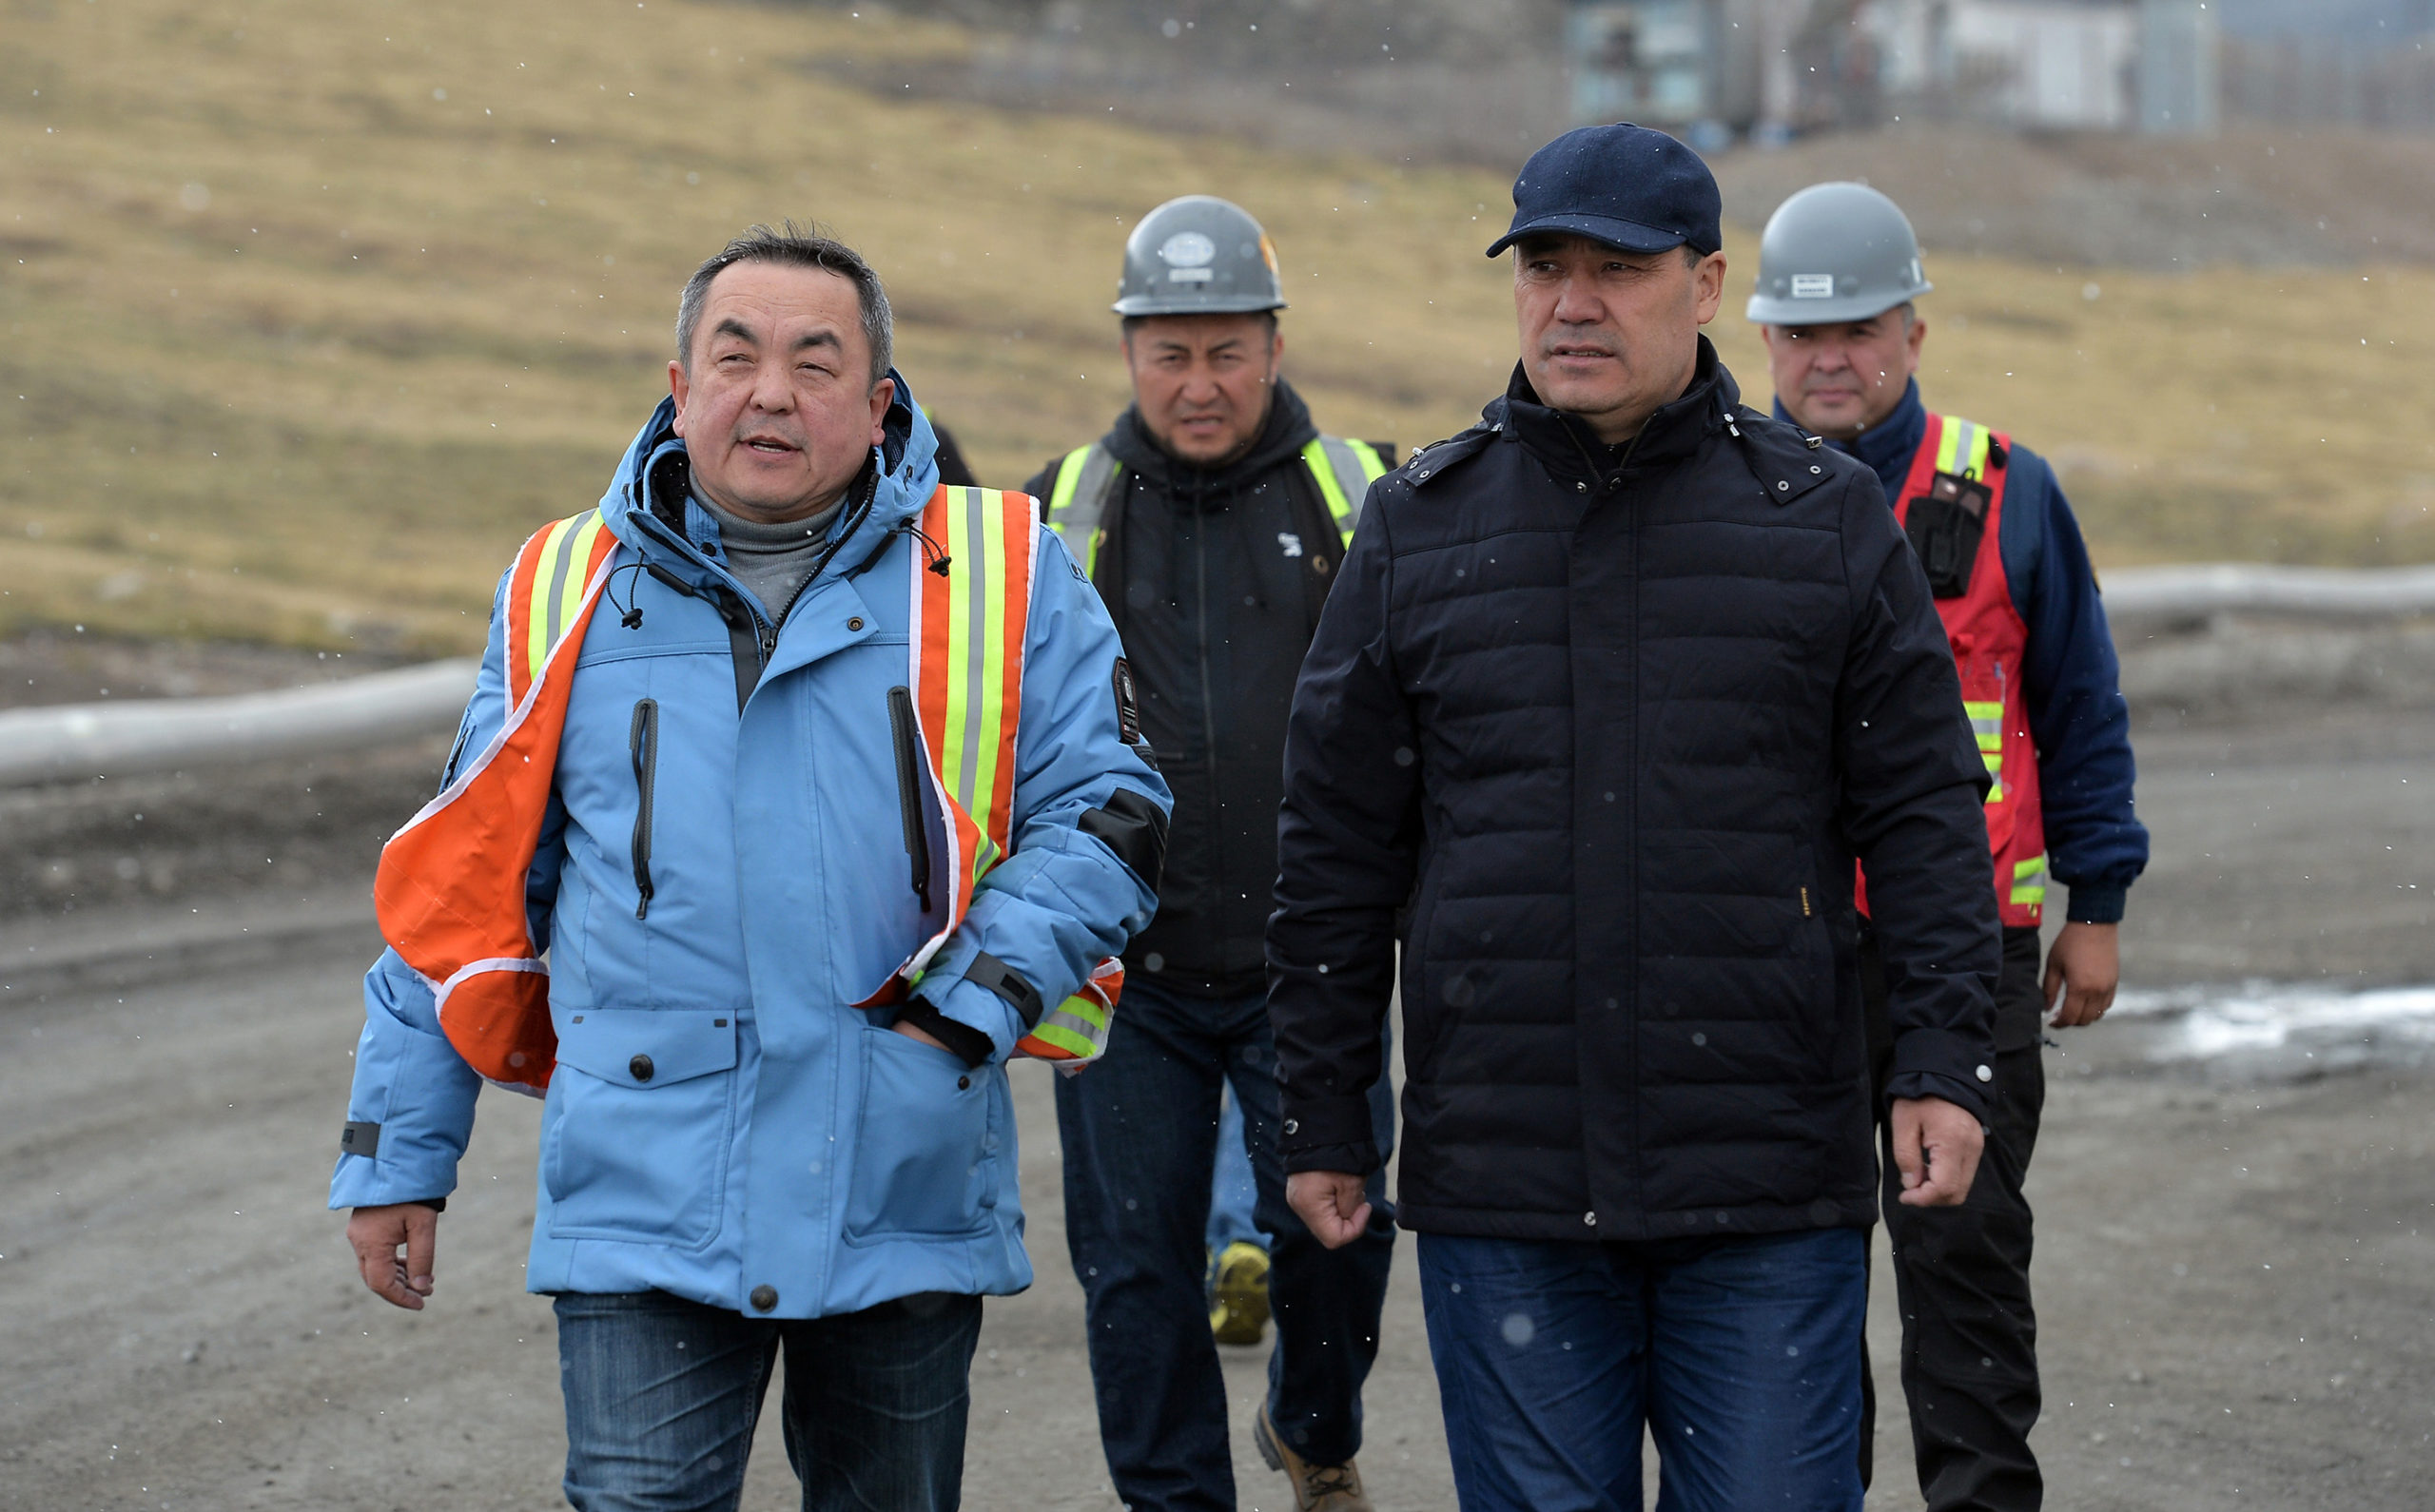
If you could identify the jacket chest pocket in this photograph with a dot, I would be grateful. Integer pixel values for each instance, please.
(925, 1154)
(641, 1111)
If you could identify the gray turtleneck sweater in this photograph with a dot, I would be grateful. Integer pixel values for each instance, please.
(774, 561)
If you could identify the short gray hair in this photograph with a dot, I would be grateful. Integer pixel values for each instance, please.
(792, 245)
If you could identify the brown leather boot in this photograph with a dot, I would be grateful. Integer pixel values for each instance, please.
(1316, 1487)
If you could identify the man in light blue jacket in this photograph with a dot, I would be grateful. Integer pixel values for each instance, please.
(734, 854)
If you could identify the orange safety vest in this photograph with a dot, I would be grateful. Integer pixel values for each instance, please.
(1959, 469)
(450, 892)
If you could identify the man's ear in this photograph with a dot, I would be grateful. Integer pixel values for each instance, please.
(1708, 286)
(883, 395)
(1918, 333)
(677, 387)
(1275, 353)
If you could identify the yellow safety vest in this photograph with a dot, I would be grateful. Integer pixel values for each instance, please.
(1089, 479)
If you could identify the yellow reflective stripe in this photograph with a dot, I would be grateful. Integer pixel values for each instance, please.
(1962, 449)
(1335, 463)
(1314, 456)
(976, 660)
(1081, 1007)
(1080, 1046)
(986, 512)
(558, 584)
(570, 602)
(1987, 722)
(2028, 882)
(1078, 1026)
(1069, 471)
(1083, 474)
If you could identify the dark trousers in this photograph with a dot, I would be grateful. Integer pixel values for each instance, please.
(662, 1395)
(1740, 1357)
(1141, 1141)
(1961, 1274)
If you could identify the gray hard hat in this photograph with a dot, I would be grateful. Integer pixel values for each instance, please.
(1198, 255)
(1835, 252)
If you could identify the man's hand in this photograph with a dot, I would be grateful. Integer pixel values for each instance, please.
(377, 1233)
(923, 1036)
(2083, 969)
(1330, 1203)
(1935, 1147)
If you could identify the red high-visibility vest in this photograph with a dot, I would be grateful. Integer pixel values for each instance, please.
(450, 891)
(1959, 464)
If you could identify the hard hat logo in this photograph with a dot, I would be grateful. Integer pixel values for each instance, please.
(1188, 249)
(1198, 255)
(1813, 285)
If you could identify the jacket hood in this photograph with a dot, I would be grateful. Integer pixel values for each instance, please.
(1571, 449)
(649, 504)
(1287, 430)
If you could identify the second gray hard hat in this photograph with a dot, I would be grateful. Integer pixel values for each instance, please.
(1835, 252)
(1198, 255)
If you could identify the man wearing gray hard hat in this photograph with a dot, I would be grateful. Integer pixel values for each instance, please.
(1839, 268)
(1212, 517)
(1617, 685)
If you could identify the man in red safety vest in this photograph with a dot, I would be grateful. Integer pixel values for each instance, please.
(1839, 268)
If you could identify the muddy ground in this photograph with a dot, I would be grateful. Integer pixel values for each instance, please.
(2237, 1266)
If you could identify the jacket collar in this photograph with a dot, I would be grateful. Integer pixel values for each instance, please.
(1888, 446)
(1287, 430)
(1569, 449)
(649, 510)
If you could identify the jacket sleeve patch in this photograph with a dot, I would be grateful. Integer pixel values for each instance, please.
(360, 1139)
(1128, 709)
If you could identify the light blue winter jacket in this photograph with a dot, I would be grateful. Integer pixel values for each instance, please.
(782, 1138)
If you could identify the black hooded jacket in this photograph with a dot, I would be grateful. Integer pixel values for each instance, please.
(1599, 732)
(1215, 580)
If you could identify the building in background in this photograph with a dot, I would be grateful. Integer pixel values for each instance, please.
(1768, 69)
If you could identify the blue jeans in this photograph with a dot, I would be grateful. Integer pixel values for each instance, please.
(662, 1395)
(1233, 1193)
(1140, 1131)
(1742, 1356)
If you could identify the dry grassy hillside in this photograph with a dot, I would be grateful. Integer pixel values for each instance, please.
(312, 309)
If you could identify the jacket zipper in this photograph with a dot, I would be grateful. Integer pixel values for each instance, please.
(1208, 694)
(908, 789)
(642, 741)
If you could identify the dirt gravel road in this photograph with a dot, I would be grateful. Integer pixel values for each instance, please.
(2237, 1277)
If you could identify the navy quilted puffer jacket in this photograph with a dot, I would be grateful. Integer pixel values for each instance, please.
(1597, 733)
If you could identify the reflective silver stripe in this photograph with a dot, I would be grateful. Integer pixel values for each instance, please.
(978, 637)
(1060, 1018)
(1077, 519)
(558, 570)
(1351, 479)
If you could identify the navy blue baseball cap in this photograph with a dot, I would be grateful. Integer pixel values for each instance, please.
(1632, 188)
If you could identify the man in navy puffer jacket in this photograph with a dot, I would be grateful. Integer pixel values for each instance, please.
(1615, 687)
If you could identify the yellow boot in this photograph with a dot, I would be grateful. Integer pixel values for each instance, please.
(1238, 1294)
